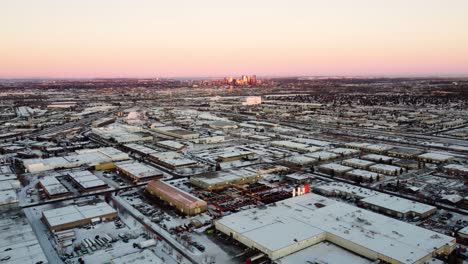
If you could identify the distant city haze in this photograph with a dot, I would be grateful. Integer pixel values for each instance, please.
(184, 38)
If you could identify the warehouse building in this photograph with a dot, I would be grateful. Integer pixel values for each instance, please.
(303, 221)
(433, 157)
(171, 145)
(358, 163)
(343, 190)
(53, 188)
(177, 163)
(175, 132)
(122, 133)
(344, 151)
(164, 155)
(294, 146)
(373, 148)
(334, 169)
(86, 181)
(378, 158)
(322, 155)
(8, 200)
(223, 179)
(73, 216)
(299, 160)
(139, 149)
(407, 164)
(386, 169)
(139, 172)
(100, 158)
(363, 175)
(405, 153)
(398, 207)
(183, 201)
(223, 125)
(456, 170)
(235, 154)
(210, 140)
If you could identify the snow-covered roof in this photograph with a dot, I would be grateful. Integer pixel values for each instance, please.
(398, 204)
(436, 156)
(297, 221)
(335, 167)
(73, 213)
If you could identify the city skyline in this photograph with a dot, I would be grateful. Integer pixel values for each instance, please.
(121, 39)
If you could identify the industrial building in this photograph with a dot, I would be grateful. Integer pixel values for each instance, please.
(334, 169)
(299, 160)
(405, 153)
(177, 163)
(175, 132)
(303, 221)
(358, 163)
(456, 170)
(171, 145)
(433, 157)
(99, 158)
(294, 146)
(139, 172)
(234, 155)
(398, 207)
(386, 169)
(223, 179)
(373, 148)
(53, 188)
(183, 201)
(73, 216)
(378, 158)
(364, 175)
(322, 155)
(122, 133)
(139, 149)
(86, 181)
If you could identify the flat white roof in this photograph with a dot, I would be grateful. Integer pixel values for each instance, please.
(299, 218)
(358, 162)
(344, 151)
(53, 186)
(335, 167)
(73, 213)
(322, 155)
(436, 156)
(363, 173)
(139, 170)
(398, 204)
(326, 253)
(345, 188)
(385, 167)
(375, 157)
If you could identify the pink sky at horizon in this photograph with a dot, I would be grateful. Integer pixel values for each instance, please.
(186, 38)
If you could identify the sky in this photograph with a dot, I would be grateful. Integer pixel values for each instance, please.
(193, 38)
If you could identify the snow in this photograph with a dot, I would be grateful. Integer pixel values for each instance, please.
(324, 253)
(294, 217)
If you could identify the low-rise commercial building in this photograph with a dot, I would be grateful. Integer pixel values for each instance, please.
(73, 216)
(175, 132)
(398, 207)
(433, 157)
(139, 172)
(386, 169)
(358, 163)
(53, 188)
(300, 222)
(334, 169)
(183, 201)
(86, 181)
